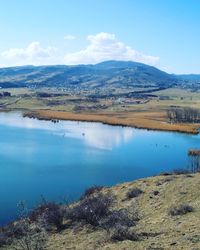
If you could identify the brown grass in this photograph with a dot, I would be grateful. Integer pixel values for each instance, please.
(145, 119)
(194, 152)
(159, 230)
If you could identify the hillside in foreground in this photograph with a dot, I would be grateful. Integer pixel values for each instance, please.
(168, 217)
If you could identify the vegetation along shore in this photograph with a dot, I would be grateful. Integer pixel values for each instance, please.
(144, 120)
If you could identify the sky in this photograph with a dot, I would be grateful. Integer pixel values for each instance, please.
(161, 33)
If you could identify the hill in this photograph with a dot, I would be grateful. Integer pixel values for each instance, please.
(168, 208)
(192, 81)
(109, 74)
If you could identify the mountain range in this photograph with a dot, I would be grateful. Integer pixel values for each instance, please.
(108, 74)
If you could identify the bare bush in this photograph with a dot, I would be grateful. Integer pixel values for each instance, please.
(92, 190)
(91, 209)
(180, 171)
(181, 210)
(133, 193)
(50, 213)
(121, 233)
(187, 115)
(194, 160)
(123, 217)
(23, 235)
(33, 236)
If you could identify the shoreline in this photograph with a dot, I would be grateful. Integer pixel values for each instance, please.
(141, 120)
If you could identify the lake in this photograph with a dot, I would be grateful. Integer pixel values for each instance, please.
(59, 160)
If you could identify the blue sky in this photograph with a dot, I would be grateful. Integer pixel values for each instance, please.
(163, 33)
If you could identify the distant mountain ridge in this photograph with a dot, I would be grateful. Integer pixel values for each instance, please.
(108, 74)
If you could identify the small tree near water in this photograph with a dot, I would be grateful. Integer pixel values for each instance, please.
(26, 235)
(194, 159)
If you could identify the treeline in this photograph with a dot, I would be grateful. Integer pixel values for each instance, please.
(187, 115)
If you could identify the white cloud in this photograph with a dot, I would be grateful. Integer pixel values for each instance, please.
(34, 54)
(101, 47)
(105, 46)
(69, 37)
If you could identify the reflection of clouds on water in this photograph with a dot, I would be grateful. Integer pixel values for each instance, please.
(16, 120)
(101, 136)
(94, 134)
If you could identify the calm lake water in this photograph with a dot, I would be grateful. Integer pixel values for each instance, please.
(61, 160)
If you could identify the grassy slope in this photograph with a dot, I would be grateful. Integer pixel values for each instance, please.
(180, 232)
(164, 231)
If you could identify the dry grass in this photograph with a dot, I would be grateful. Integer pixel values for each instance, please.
(194, 152)
(144, 119)
(157, 229)
(160, 230)
(149, 115)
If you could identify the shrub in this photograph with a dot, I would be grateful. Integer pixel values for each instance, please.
(11, 230)
(92, 209)
(33, 236)
(121, 233)
(133, 193)
(50, 213)
(156, 192)
(23, 235)
(4, 239)
(122, 217)
(181, 210)
(90, 191)
(180, 171)
(165, 173)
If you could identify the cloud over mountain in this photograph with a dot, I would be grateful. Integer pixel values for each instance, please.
(102, 46)
(34, 53)
(105, 46)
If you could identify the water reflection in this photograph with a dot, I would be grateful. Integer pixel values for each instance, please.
(100, 136)
(94, 134)
(56, 160)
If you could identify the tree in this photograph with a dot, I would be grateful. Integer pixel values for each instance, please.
(194, 158)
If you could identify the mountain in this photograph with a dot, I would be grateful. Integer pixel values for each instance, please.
(108, 74)
(191, 81)
(190, 77)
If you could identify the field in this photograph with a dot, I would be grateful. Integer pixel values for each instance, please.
(142, 112)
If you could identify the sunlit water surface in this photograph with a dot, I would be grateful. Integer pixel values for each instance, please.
(60, 160)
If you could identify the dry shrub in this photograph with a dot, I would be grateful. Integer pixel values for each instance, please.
(50, 213)
(91, 209)
(121, 233)
(181, 210)
(91, 190)
(133, 193)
